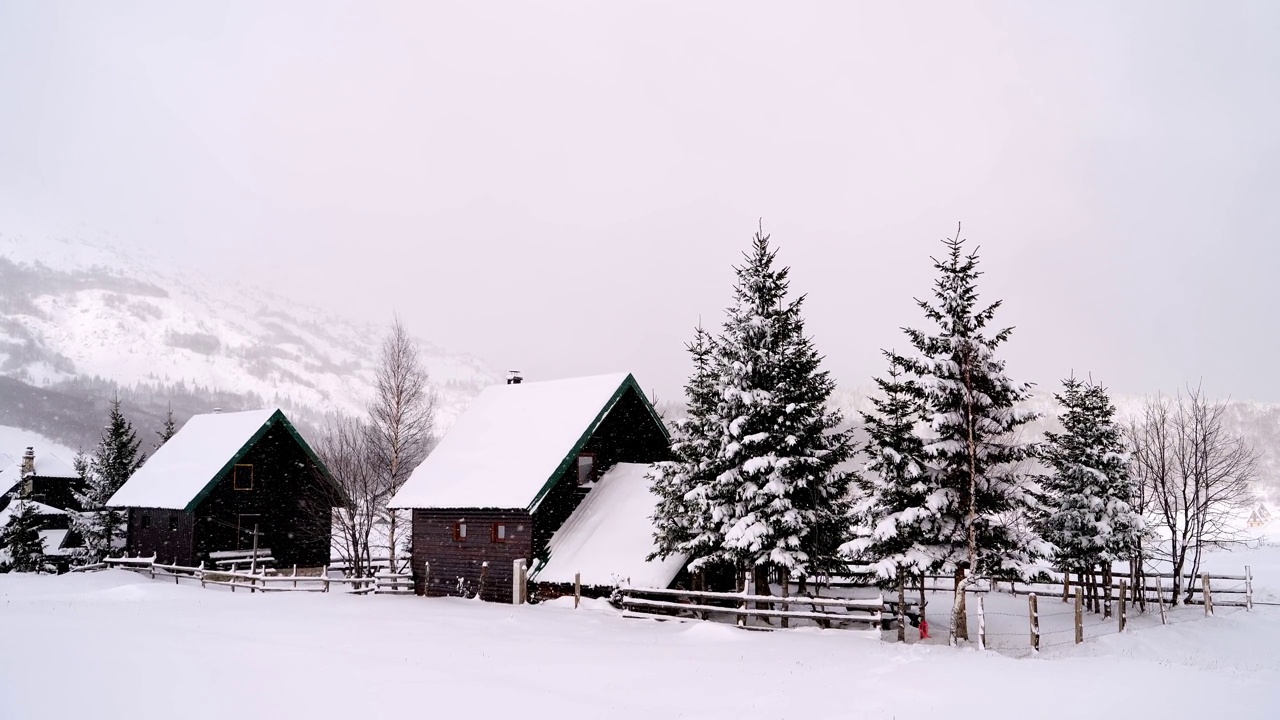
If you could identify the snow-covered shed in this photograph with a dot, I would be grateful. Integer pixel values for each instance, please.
(513, 469)
(607, 540)
(222, 476)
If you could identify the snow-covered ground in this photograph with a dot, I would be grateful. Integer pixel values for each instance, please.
(113, 644)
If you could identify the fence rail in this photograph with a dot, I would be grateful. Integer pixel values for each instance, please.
(683, 605)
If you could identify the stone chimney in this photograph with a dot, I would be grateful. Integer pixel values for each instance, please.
(513, 377)
(28, 463)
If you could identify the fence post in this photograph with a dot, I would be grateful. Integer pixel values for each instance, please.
(744, 583)
(1035, 622)
(1123, 615)
(1208, 594)
(577, 589)
(426, 579)
(1079, 616)
(1248, 589)
(201, 571)
(1164, 619)
(982, 622)
(484, 575)
(1066, 585)
(517, 582)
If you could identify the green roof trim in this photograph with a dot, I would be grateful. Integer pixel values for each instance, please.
(628, 383)
(277, 418)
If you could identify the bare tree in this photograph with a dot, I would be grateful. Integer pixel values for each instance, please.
(401, 419)
(1197, 475)
(356, 501)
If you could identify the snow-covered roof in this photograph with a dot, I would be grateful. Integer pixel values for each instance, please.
(513, 440)
(193, 459)
(53, 540)
(40, 508)
(47, 465)
(609, 535)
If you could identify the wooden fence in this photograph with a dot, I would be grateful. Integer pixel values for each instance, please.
(261, 582)
(682, 605)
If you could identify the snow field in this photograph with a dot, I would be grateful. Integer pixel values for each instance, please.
(136, 648)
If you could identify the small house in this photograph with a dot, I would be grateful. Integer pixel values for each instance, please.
(1260, 516)
(513, 469)
(231, 482)
(48, 484)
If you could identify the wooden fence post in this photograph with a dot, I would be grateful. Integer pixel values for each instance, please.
(577, 589)
(902, 606)
(1066, 585)
(1164, 619)
(982, 622)
(426, 579)
(1079, 616)
(1035, 622)
(1248, 589)
(484, 575)
(1124, 586)
(1208, 594)
(517, 582)
(201, 574)
(744, 583)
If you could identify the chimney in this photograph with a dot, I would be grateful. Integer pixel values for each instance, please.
(513, 377)
(28, 463)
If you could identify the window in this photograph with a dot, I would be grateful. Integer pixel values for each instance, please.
(245, 525)
(146, 521)
(242, 477)
(173, 523)
(460, 531)
(586, 468)
(499, 532)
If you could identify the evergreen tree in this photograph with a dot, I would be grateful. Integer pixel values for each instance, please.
(1086, 516)
(682, 519)
(896, 526)
(779, 502)
(116, 458)
(20, 537)
(973, 446)
(168, 430)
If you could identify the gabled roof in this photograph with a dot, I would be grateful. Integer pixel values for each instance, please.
(47, 465)
(510, 446)
(186, 468)
(609, 535)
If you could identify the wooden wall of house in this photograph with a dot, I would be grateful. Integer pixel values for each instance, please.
(629, 433)
(289, 501)
(450, 559)
(161, 532)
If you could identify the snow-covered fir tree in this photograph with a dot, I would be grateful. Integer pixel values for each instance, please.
(1085, 512)
(168, 430)
(116, 458)
(20, 538)
(780, 502)
(895, 523)
(973, 444)
(682, 518)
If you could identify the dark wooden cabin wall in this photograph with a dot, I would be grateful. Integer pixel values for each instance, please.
(156, 538)
(288, 496)
(433, 543)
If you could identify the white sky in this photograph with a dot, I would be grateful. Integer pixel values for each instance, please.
(564, 187)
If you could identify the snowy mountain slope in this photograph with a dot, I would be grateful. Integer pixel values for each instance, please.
(74, 310)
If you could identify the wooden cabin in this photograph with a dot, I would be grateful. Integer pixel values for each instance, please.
(50, 485)
(222, 477)
(513, 469)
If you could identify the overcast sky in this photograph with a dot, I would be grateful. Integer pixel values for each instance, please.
(565, 187)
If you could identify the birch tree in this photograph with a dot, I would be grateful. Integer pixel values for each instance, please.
(401, 419)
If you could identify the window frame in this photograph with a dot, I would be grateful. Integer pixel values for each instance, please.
(495, 537)
(235, 477)
(146, 521)
(592, 475)
(173, 523)
(460, 531)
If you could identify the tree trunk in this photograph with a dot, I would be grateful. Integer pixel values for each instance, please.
(902, 607)
(959, 620)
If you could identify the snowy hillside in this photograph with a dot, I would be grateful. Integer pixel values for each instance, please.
(72, 310)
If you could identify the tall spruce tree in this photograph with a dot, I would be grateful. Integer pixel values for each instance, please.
(895, 522)
(114, 459)
(1085, 513)
(780, 501)
(973, 446)
(20, 539)
(682, 518)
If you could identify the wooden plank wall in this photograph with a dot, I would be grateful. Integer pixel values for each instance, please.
(433, 543)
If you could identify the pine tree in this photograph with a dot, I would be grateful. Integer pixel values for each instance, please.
(973, 445)
(116, 458)
(895, 523)
(1086, 516)
(20, 538)
(168, 430)
(682, 519)
(780, 502)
